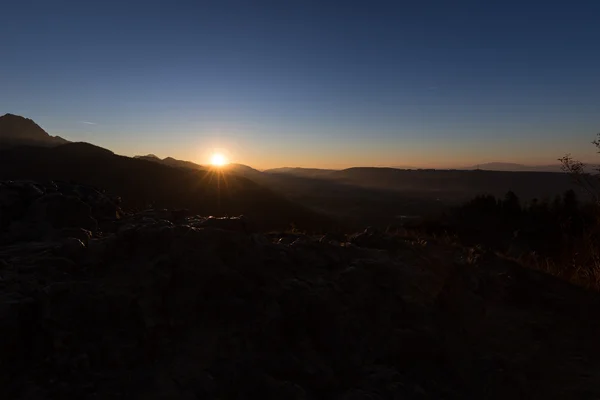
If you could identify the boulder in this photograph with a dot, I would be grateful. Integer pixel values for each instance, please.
(62, 211)
(15, 198)
(333, 238)
(81, 234)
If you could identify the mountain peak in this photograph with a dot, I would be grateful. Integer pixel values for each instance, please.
(148, 156)
(9, 115)
(18, 130)
(12, 125)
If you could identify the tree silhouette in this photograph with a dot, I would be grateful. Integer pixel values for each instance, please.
(511, 204)
(578, 171)
(571, 204)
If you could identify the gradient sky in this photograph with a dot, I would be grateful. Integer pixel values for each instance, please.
(310, 83)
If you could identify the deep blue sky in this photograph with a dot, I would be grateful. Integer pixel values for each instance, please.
(309, 83)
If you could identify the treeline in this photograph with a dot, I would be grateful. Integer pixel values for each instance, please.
(547, 228)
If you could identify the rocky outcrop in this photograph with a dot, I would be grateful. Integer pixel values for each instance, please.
(163, 304)
(36, 211)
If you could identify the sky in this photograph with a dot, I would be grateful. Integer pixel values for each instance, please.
(310, 83)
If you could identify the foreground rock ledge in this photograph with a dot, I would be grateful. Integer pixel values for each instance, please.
(96, 303)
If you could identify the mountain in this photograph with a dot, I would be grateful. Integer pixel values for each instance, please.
(375, 196)
(513, 167)
(238, 169)
(148, 157)
(246, 171)
(301, 172)
(358, 196)
(143, 184)
(458, 184)
(181, 164)
(233, 168)
(405, 167)
(172, 162)
(18, 131)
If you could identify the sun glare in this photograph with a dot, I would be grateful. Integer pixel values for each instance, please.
(218, 160)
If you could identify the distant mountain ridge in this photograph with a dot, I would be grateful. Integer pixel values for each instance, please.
(238, 169)
(504, 166)
(20, 131)
(301, 172)
(170, 161)
(16, 130)
(359, 195)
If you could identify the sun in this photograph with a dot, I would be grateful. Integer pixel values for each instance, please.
(218, 160)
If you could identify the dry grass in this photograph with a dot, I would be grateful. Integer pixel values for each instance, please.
(579, 263)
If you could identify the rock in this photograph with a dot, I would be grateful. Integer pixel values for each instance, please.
(179, 215)
(237, 224)
(289, 238)
(72, 248)
(57, 204)
(358, 394)
(375, 239)
(286, 240)
(300, 240)
(333, 239)
(154, 214)
(78, 233)
(15, 198)
(260, 239)
(24, 251)
(62, 212)
(24, 230)
(371, 231)
(99, 250)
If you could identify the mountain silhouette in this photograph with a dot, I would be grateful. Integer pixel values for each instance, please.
(29, 152)
(278, 197)
(143, 184)
(149, 157)
(238, 169)
(513, 167)
(302, 172)
(170, 161)
(18, 131)
(232, 168)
